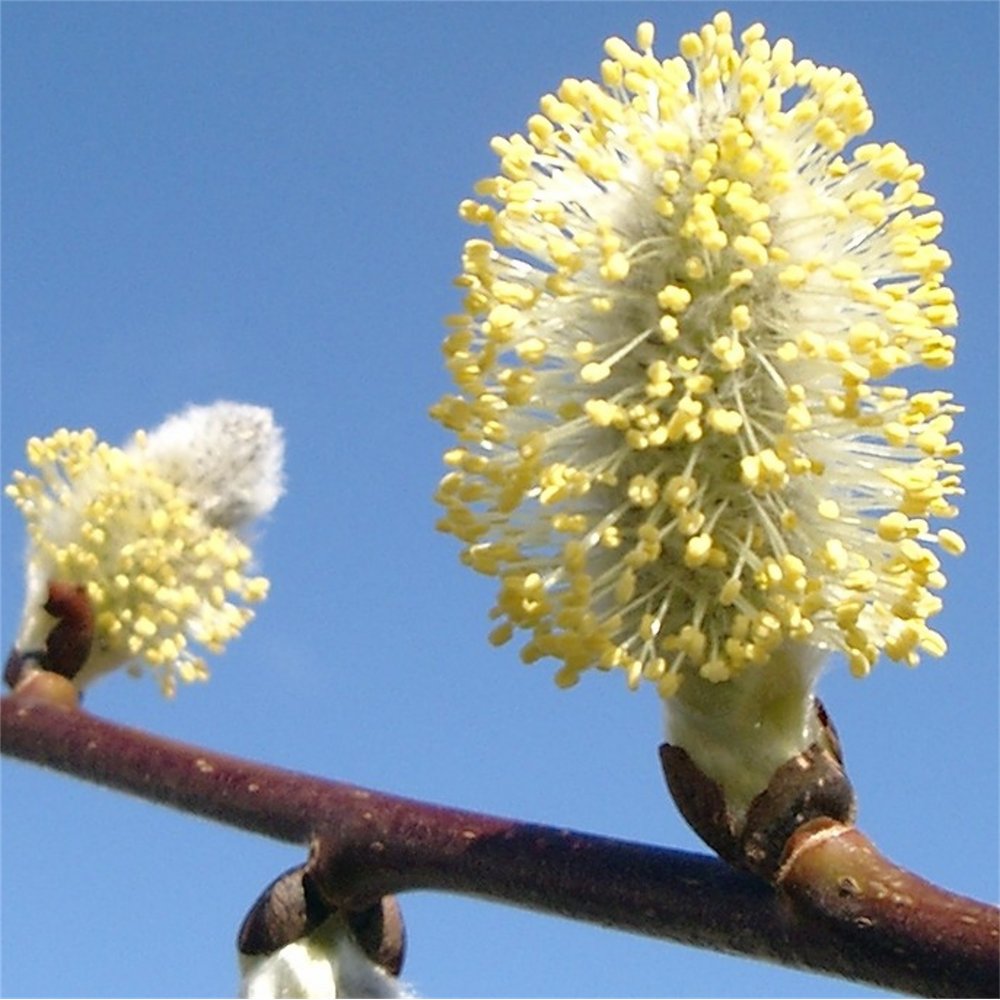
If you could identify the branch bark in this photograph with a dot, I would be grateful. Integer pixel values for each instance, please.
(366, 844)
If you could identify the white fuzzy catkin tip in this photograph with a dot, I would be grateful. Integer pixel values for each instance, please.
(327, 963)
(227, 456)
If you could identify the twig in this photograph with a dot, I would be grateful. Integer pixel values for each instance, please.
(366, 844)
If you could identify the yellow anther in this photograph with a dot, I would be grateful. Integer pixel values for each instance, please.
(725, 421)
(669, 329)
(691, 46)
(616, 267)
(751, 250)
(673, 298)
(834, 555)
(951, 541)
(594, 372)
(643, 491)
(531, 350)
(740, 318)
(696, 552)
(829, 509)
(729, 351)
(730, 592)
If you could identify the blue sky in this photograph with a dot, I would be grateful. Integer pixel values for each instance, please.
(258, 202)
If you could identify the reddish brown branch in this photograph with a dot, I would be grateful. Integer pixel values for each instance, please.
(834, 872)
(366, 844)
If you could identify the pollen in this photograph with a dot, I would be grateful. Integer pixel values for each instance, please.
(683, 438)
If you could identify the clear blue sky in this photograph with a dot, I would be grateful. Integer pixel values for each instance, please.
(258, 202)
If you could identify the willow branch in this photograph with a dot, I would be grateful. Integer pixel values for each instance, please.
(366, 844)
